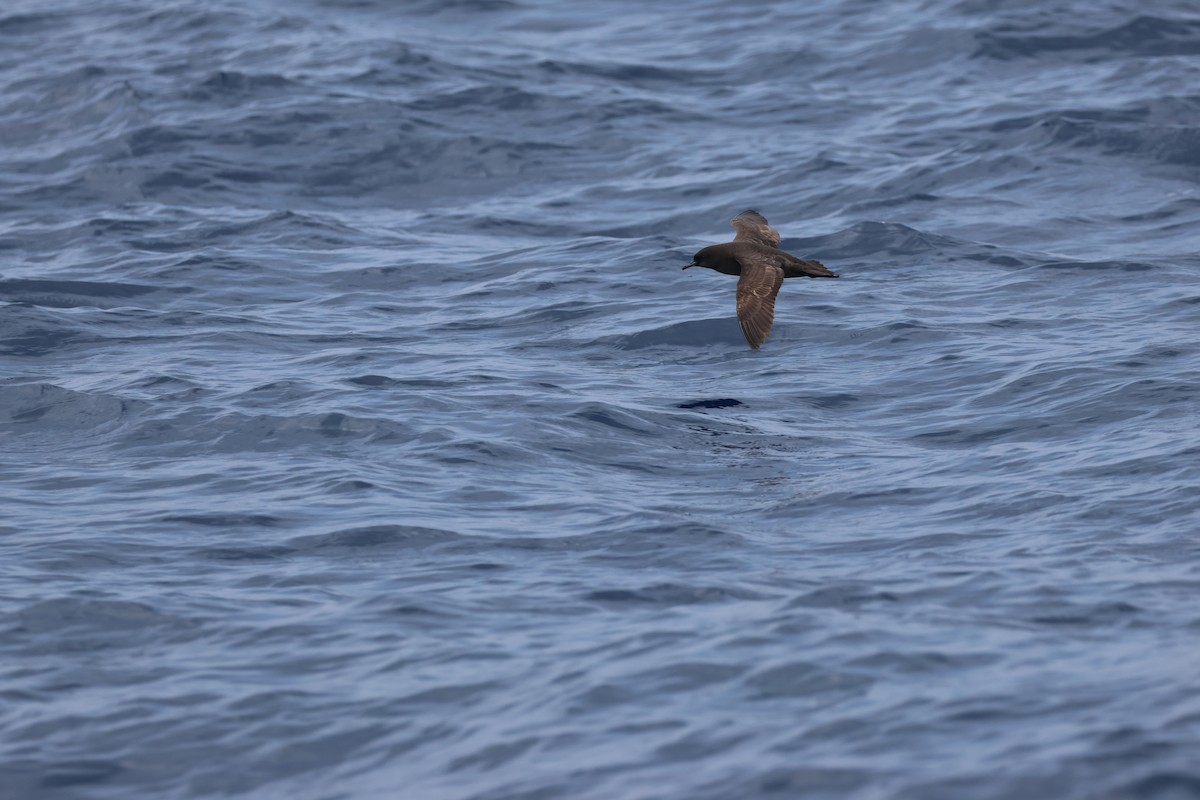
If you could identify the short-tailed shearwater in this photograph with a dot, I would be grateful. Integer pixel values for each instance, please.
(754, 254)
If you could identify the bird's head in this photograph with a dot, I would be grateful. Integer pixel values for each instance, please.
(706, 257)
(720, 257)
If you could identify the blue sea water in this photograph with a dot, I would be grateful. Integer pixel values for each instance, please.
(360, 436)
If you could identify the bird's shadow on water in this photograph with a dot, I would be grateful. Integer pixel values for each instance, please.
(718, 402)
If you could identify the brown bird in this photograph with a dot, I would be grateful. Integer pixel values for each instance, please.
(754, 254)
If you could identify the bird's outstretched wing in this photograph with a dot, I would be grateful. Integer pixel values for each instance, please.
(752, 226)
(756, 291)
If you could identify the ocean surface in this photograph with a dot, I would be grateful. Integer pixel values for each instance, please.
(361, 436)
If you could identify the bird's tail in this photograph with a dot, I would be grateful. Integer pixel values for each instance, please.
(805, 268)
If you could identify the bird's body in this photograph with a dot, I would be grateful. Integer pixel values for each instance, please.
(754, 256)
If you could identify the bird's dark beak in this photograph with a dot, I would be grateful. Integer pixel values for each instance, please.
(693, 264)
